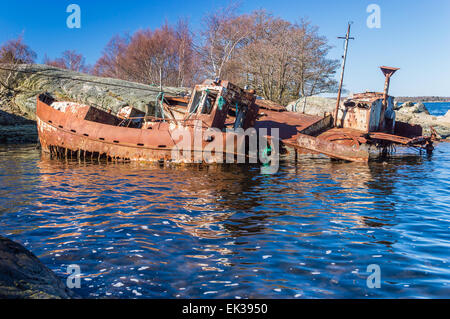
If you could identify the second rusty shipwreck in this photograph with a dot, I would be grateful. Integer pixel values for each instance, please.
(363, 126)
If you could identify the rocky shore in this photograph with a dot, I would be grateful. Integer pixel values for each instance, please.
(417, 113)
(23, 276)
(18, 103)
(16, 129)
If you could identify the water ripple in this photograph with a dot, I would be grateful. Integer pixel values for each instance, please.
(309, 231)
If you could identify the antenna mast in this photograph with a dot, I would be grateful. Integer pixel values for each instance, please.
(344, 58)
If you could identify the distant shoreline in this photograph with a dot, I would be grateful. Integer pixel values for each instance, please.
(435, 101)
(422, 99)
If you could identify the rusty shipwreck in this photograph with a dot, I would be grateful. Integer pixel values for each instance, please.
(71, 129)
(362, 126)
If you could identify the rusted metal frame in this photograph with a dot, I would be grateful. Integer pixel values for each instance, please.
(343, 136)
(171, 113)
(203, 89)
(108, 142)
(59, 122)
(390, 138)
(270, 105)
(204, 124)
(125, 156)
(369, 112)
(95, 140)
(176, 99)
(331, 149)
(156, 158)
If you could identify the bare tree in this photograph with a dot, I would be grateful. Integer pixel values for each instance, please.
(285, 61)
(313, 71)
(13, 53)
(111, 62)
(224, 33)
(281, 60)
(186, 54)
(268, 59)
(69, 60)
(150, 55)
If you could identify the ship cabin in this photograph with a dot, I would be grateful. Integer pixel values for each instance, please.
(222, 105)
(368, 112)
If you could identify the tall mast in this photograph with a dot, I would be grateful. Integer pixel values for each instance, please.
(344, 58)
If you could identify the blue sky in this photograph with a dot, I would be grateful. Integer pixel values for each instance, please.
(414, 35)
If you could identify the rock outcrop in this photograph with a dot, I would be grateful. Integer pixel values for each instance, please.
(23, 276)
(315, 105)
(418, 114)
(15, 129)
(18, 103)
(410, 108)
(106, 93)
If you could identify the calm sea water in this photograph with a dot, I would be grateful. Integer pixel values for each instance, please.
(439, 108)
(310, 231)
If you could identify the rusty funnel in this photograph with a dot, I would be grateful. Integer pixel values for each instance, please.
(388, 72)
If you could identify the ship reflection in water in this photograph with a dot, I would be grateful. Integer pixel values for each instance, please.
(311, 230)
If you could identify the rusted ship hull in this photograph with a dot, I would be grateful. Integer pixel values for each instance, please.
(68, 133)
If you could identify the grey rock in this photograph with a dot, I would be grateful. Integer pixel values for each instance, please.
(105, 93)
(23, 276)
(407, 104)
(446, 117)
(440, 123)
(315, 105)
(415, 108)
(15, 129)
(18, 134)
(420, 107)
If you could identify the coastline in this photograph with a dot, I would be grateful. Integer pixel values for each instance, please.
(18, 134)
(16, 128)
(24, 276)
